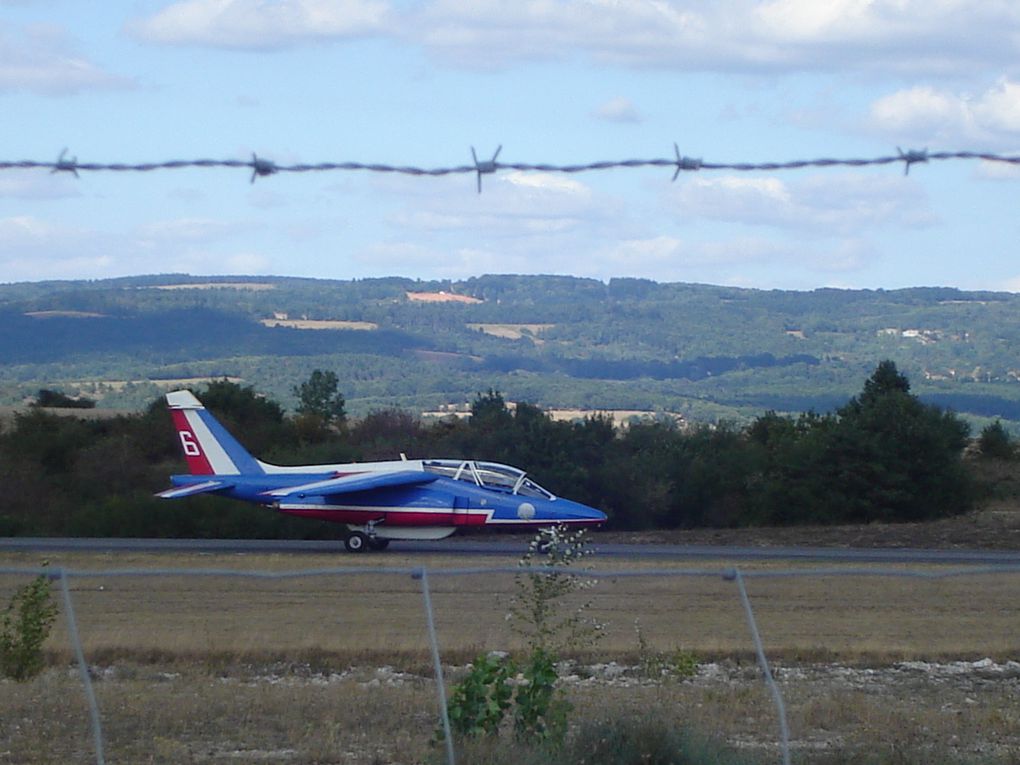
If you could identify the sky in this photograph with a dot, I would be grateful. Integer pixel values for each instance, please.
(421, 82)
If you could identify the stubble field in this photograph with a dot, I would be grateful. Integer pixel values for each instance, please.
(337, 668)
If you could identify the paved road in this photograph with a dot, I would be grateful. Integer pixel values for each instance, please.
(834, 555)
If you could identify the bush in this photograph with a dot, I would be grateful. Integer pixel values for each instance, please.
(648, 740)
(24, 627)
(995, 443)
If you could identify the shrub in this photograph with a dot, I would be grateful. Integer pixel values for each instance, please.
(24, 627)
(994, 442)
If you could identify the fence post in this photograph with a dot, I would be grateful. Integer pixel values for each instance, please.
(437, 665)
(83, 668)
(777, 697)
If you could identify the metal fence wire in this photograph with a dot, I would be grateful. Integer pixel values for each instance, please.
(424, 575)
(262, 167)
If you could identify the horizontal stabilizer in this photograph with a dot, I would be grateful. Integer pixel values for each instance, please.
(196, 488)
(360, 482)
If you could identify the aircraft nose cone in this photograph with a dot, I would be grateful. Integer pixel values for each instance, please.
(584, 515)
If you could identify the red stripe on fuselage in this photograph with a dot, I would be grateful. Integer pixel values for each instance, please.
(197, 462)
(390, 518)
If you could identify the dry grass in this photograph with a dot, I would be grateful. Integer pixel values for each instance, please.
(246, 670)
(855, 619)
(441, 297)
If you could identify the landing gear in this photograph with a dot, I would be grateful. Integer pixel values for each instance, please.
(362, 538)
(356, 542)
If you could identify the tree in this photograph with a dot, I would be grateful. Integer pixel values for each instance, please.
(894, 458)
(994, 442)
(318, 397)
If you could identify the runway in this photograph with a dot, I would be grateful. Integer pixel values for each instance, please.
(504, 547)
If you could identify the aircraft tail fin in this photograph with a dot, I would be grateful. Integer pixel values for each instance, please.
(208, 447)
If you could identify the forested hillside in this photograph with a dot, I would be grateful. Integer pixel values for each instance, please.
(706, 352)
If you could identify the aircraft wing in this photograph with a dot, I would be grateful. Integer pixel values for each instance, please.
(358, 482)
(194, 488)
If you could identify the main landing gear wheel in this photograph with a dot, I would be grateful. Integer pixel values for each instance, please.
(356, 542)
(378, 544)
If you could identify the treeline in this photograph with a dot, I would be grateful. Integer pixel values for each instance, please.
(883, 456)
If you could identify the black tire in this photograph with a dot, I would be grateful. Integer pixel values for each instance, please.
(378, 544)
(356, 542)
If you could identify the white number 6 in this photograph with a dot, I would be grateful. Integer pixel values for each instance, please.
(188, 442)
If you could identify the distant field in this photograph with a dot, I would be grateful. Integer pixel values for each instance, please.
(253, 286)
(442, 297)
(513, 331)
(64, 314)
(319, 324)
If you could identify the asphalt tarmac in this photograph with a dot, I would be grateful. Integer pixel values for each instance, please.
(504, 547)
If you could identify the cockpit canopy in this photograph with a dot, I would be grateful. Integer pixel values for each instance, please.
(489, 475)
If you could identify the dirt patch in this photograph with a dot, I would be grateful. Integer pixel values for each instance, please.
(441, 297)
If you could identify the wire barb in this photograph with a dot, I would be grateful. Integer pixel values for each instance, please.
(911, 156)
(488, 166)
(261, 167)
(63, 165)
(684, 162)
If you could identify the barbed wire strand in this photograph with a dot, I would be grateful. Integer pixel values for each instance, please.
(261, 167)
(421, 573)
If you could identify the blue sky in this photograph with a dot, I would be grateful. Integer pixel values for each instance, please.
(556, 81)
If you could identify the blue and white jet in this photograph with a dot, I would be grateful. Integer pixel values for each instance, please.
(377, 501)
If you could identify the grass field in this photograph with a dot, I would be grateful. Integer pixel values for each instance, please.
(337, 669)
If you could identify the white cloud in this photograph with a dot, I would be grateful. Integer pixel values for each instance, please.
(933, 36)
(826, 204)
(924, 114)
(730, 261)
(258, 24)
(32, 248)
(514, 205)
(42, 59)
(618, 110)
(37, 184)
(183, 230)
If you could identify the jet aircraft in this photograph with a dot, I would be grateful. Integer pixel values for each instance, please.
(378, 501)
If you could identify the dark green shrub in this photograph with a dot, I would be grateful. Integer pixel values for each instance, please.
(24, 627)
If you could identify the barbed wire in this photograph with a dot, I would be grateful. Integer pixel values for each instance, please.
(262, 167)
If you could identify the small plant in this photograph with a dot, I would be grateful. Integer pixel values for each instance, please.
(480, 701)
(680, 664)
(495, 685)
(24, 627)
(540, 711)
(537, 611)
